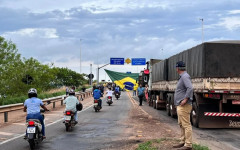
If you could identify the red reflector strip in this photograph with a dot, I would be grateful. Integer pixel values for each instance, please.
(212, 91)
(236, 91)
(225, 91)
(212, 114)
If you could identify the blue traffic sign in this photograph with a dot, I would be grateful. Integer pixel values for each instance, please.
(116, 61)
(138, 61)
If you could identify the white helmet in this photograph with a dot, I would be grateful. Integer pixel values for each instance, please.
(32, 91)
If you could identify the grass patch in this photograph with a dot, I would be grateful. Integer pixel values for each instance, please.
(200, 147)
(164, 144)
(146, 146)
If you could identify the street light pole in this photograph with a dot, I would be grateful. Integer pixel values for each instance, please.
(98, 68)
(80, 57)
(202, 30)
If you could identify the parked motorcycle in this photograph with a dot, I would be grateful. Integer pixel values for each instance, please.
(69, 120)
(109, 100)
(34, 131)
(96, 105)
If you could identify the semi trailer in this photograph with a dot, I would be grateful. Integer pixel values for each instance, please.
(214, 68)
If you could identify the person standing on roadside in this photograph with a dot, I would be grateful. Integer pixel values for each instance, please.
(183, 101)
(67, 91)
(135, 89)
(146, 92)
(140, 93)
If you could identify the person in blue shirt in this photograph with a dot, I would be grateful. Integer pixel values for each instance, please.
(117, 90)
(32, 107)
(140, 93)
(97, 95)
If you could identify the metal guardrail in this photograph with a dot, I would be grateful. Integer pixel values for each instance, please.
(14, 107)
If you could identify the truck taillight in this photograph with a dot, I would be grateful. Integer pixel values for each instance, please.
(31, 123)
(213, 96)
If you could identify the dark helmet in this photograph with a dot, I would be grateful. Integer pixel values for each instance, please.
(32, 93)
(72, 92)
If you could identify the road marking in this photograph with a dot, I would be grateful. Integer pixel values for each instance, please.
(21, 135)
(21, 124)
(6, 133)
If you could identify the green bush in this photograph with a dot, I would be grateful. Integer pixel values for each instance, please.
(21, 99)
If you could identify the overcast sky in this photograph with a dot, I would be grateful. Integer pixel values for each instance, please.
(50, 31)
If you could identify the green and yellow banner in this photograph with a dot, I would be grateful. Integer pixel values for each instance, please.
(123, 80)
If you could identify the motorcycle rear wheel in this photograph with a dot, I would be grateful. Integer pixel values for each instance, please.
(31, 144)
(67, 127)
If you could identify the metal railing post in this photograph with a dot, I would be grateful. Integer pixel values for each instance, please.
(5, 116)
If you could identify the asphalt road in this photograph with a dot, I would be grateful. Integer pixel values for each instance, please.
(101, 130)
(216, 139)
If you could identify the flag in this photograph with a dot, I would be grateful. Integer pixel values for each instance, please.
(123, 80)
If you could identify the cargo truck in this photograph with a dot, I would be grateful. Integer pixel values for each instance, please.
(214, 68)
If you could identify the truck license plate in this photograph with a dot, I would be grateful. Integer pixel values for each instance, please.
(31, 130)
(67, 117)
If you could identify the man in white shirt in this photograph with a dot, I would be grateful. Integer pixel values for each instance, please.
(109, 92)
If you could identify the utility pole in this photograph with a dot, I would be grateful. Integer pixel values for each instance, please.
(202, 30)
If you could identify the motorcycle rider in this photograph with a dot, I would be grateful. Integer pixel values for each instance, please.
(32, 106)
(117, 90)
(97, 95)
(109, 92)
(71, 101)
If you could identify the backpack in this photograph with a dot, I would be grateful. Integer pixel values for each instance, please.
(79, 107)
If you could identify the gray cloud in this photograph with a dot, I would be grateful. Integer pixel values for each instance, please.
(129, 29)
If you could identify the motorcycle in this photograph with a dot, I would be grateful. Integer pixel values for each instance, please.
(117, 95)
(34, 131)
(96, 105)
(69, 120)
(109, 100)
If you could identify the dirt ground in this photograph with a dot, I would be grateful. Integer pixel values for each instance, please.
(142, 128)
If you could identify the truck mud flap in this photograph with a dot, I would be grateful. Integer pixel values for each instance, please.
(216, 121)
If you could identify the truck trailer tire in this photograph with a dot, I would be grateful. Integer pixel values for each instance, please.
(195, 115)
(168, 106)
(172, 107)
